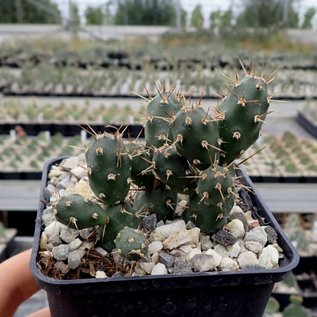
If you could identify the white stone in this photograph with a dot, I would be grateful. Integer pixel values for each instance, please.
(62, 193)
(254, 246)
(70, 162)
(79, 172)
(159, 269)
(52, 229)
(101, 251)
(221, 250)
(192, 253)
(51, 188)
(236, 208)
(178, 253)
(155, 246)
(138, 269)
(55, 172)
(205, 242)
(100, 274)
(248, 215)
(257, 234)
(228, 264)
(163, 232)
(75, 244)
(269, 257)
(236, 228)
(147, 266)
(202, 262)
(43, 241)
(155, 257)
(82, 188)
(68, 234)
(216, 257)
(235, 249)
(74, 259)
(61, 266)
(60, 252)
(246, 259)
(65, 183)
(48, 216)
(182, 237)
(186, 248)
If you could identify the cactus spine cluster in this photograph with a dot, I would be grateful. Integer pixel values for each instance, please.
(187, 152)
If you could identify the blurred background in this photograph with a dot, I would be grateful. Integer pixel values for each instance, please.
(65, 64)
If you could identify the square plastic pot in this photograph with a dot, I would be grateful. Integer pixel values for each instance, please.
(218, 294)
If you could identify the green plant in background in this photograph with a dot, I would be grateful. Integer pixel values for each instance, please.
(295, 233)
(295, 308)
(272, 307)
(188, 152)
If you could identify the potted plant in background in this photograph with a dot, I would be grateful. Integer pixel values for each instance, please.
(168, 226)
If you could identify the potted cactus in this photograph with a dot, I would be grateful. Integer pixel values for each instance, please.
(165, 225)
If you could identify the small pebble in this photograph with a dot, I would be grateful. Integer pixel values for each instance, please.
(246, 259)
(149, 222)
(205, 242)
(271, 234)
(203, 263)
(48, 216)
(155, 246)
(192, 253)
(100, 274)
(101, 251)
(181, 237)
(221, 250)
(216, 257)
(79, 172)
(75, 244)
(269, 257)
(147, 266)
(239, 215)
(253, 246)
(236, 228)
(62, 267)
(74, 259)
(228, 264)
(257, 234)
(166, 259)
(68, 234)
(52, 229)
(159, 269)
(60, 252)
(186, 248)
(181, 266)
(165, 231)
(70, 163)
(235, 249)
(224, 238)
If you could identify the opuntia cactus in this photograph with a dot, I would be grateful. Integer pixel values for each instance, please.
(241, 115)
(187, 155)
(109, 168)
(131, 243)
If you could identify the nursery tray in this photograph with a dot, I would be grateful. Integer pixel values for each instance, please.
(307, 124)
(32, 129)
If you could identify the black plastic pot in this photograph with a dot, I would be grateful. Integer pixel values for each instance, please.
(218, 294)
